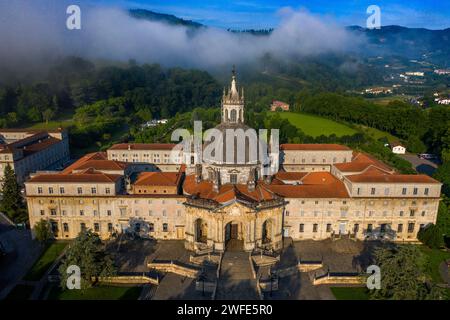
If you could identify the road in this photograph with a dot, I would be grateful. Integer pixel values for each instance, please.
(23, 252)
(421, 165)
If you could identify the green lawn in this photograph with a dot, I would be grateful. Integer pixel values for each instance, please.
(45, 260)
(96, 293)
(315, 126)
(350, 293)
(435, 257)
(377, 134)
(20, 292)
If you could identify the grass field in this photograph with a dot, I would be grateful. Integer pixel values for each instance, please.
(377, 134)
(45, 261)
(315, 126)
(436, 257)
(350, 293)
(20, 292)
(96, 293)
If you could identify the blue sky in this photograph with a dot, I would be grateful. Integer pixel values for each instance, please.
(240, 14)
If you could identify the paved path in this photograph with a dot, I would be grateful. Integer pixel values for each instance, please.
(22, 254)
(236, 280)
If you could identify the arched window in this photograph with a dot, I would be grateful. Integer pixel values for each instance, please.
(233, 116)
(226, 115)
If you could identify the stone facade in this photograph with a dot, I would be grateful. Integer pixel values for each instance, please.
(28, 151)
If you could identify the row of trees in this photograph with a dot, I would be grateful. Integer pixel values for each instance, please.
(151, 90)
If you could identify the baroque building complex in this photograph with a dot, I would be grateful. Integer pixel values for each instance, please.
(317, 191)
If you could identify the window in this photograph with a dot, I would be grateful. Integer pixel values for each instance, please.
(151, 227)
(96, 227)
(107, 190)
(356, 228)
(372, 191)
(233, 178)
(426, 191)
(61, 190)
(42, 212)
(164, 213)
(53, 212)
(411, 213)
(65, 227)
(315, 227)
(411, 227)
(358, 192)
(110, 227)
(80, 190)
(64, 212)
(108, 212)
(329, 227)
(369, 227)
(81, 212)
(40, 190)
(165, 227)
(54, 227)
(421, 226)
(301, 228)
(50, 190)
(287, 213)
(415, 190)
(404, 191)
(386, 191)
(383, 227)
(401, 213)
(95, 213)
(423, 213)
(400, 228)
(93, 190)
(83, 226)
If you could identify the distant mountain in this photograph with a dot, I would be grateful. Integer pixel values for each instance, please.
(413, 43)
(162, 17)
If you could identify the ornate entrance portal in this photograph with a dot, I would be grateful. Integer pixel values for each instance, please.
(233, 236)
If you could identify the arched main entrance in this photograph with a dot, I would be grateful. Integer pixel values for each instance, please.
(201, 231)
(233, 236)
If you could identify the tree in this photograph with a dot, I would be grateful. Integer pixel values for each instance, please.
(431, 236)
(87, 252)
(47, 115)
(12, 203)
(43, 231)
(443, 175)
(402, 275)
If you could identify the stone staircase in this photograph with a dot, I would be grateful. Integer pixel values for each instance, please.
(236, 280)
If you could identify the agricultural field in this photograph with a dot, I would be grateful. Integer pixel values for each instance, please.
(315, 126)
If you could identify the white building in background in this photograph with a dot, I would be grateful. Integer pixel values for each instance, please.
(398, 148)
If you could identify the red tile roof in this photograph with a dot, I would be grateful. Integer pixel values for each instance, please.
(107, 165)
(290, 176)
(371, 177)
(361, 162)
(86, 176)
(314, 147)
(158, 179)
(84, 159)
(143, 146)
(227, 192)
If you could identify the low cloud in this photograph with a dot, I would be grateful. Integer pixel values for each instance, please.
(31, 33)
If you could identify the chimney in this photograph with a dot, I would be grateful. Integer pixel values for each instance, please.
(251, 184)
(216, 181)
(198, 173)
